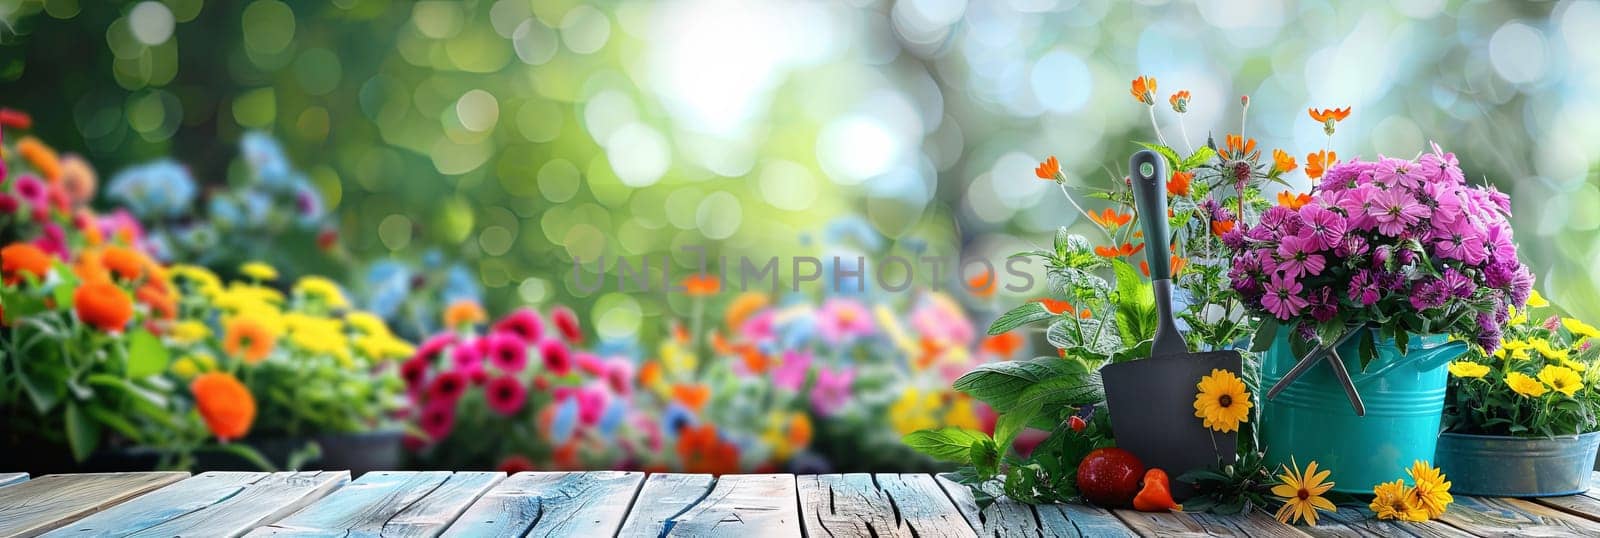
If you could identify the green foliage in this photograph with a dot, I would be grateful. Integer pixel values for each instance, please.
(948, 444)
(1481, 398)
(1238, 488)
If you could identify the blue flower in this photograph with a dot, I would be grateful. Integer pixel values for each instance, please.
(268, 164)
(307, 204)
(459, 284)
(845, 230)
(675, 419)
(157, 189)
(565, 421)
(612, 418)
(390, 283)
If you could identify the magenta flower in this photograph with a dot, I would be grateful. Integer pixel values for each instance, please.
(842, 320)
(592, 401)
(1324, 228)
(557, 358)
(791, 375)
(566, 323)
(619, 375)
(1282, 298)
(1395, 210)
(939, 318)
(831, 392)
(30, 189)
(1363, 289)
(505, 395)
(1297, 257)
(414, 372)
(431, 347)
(1398, 173)
(468, 352)
(438, 418)
(1465, 247)
(507, 352)
(447, 387)
(524, 323)
(760, 327)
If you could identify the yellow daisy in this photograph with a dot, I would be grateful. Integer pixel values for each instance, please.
(1578, 327)
(1223, 401)
(259, 271)
(321, 289)
(1431, 491)
(189, 331)
(1391, 501)
(1561, 379)
(1468, 369)
(1549, 351)
(1535, 300)
(1302, 494)
(1524, 385)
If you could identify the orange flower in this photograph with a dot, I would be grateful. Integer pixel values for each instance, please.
(1283, 161)
(1318, 162)
(1176, 264)
(1049, 169)
(17, 259)
(225, 404)
(742, 307)
(1002, 345)
(248, 339)
(800, 430)
(1329, 114)
(464, 312)
(1179, 101)
(41, 157)
(1111, 219)
(1293, 201)
(692, 396)
(1179, 184)
(650, 374)
(754, 360)
(159, 298)
(124, 262)
(1127, 249)
(1055, 306)
(702, 285)
(1144, 90)
(103, 305)
(982, 285)
(703, 451)
(1219, 227)
(89, 267)
(11, 118)
(1238, 147)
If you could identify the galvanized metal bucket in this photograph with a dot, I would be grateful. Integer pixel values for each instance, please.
(1312, 419)
(1499, 466)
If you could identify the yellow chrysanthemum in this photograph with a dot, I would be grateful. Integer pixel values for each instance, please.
(259, 271)
(677, 361)
(367, 322)
(1579, 328)
(382, 347)
(1524, 385)
(1302, 494)
(189, 331)
(321, 289)
(1468, 369)
(961, 414)
(185, 368)
(199, 279)
(322, 339)
(1517, 317)
(897, 334)
(1549, 351)
(1575, 365)
(1535, 300)
(1223, 401)
(914, 411)
(1391, 501)
(1561, 379)
(1430, 491)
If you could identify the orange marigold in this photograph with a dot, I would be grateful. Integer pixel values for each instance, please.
(1329, 114)
(800, 430)
(1179, 184)
(1219, 227)
(982, 285)
(1110, 218)
(1318, 163)
(693, 396)
(1144, 90)
(124, 262)
(742, 307)
(248, 339)
(41, 157)
(102, 305)
(1238, 147)
(1176, 266)
(702, 285)
(464, 312)
(1179, 101)
(1049, 169)
(1002, 345)
(18, 259)
(1283, 161)
(1127, 249)
(1292, 200)
(225, 404)
(1055, 306)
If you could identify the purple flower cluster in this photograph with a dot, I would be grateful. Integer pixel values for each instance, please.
(1384, 239)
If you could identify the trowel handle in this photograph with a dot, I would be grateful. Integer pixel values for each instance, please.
(1147, 171)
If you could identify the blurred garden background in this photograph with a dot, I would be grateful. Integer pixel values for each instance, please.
(422, 153)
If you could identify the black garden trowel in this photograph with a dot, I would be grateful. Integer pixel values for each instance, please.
(1151, 401)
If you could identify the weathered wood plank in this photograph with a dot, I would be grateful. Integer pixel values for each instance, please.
(1586, 504)
(213, 504)
(1255, 523)
(1007, 518)
(7, 479)
(882, 505)
(1359, 520)
(389, 504)
(700, 505)
(37, 506)
(1496, 517)
(552, 504)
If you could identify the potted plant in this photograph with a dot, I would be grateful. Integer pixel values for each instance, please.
(1373, 271)
(1521, 421)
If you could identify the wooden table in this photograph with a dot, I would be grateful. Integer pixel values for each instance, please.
(324, 503)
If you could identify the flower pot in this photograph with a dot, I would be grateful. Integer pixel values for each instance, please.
(1501, 466)
(1312, 419)
(1151, 402)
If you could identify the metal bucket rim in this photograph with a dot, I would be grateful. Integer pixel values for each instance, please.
(1516, 438)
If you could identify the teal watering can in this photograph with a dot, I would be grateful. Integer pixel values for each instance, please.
(1313, 419)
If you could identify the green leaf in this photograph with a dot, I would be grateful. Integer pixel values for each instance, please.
(82, 435)
(1136, 304)
(949, 444)
(1000, 383)
(1084, 335)
(1199, 157)
(1012, 423)
(985, 456)
(115, 422)
(1172, 156)
(62, 293)
(146, 355)
(1029, 312)
(1265, 335)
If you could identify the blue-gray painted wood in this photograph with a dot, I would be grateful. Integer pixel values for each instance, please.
(1515, 518)
(1007, 518)
(700, 505)
(1359, 520)
(40, 505)
(211, 505)
(7, 479)
(388, 503)
(861, 504)
(552, 504)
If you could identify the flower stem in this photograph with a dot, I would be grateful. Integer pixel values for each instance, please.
(1157, 127)
(1085, 214)
(1184, 131)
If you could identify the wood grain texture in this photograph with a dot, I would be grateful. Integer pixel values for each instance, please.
(552, 504)
(213, 504)
(1359, 520)
(1495, 517)
(1586, 504)
(40, 505)
(1256, 523)
(7, 479)
(1007, 518)
(700, 505)
(388, 504)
